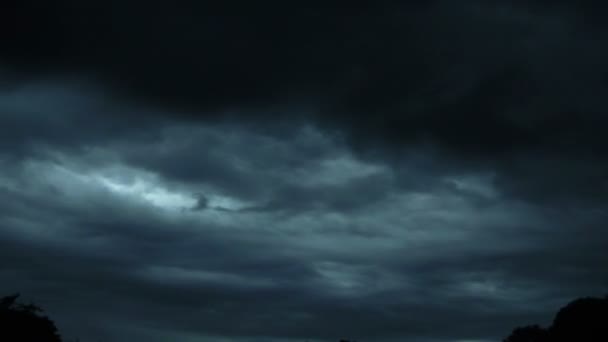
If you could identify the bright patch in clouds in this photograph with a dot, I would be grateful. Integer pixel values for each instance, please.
(127, 183)
(149, 192)
(131, 184)
(226, 203)
(337, 171)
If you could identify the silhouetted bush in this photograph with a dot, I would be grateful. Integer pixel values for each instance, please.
(24, 322)
(531, 333)
(584, 320)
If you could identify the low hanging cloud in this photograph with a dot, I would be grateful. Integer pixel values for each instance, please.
(216, 230)
(477, 78)
(428, 171)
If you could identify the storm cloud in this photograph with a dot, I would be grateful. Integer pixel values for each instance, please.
(395, 171)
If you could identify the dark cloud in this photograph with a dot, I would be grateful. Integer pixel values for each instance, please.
(333, 244)
(475, 77)
(255, 172)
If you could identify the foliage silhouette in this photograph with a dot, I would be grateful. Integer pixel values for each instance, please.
(25, 323)
(530, 333)
(584, 319)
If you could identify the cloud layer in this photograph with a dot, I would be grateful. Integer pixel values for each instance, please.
(258, 172)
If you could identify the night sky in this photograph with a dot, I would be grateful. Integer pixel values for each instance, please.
(255, 171)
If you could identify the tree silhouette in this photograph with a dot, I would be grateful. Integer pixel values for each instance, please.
(530, 333)
(584, 319)
(24, 322)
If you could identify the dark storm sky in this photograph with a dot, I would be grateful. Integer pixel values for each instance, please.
(302, 170)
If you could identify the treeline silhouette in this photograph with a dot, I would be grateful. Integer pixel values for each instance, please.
(25, 322)
(584, 320)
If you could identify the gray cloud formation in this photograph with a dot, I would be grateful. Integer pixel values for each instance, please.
(388, 172)
(513, 75)
(298, 237)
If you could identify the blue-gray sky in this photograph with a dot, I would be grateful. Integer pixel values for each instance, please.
(303, 170)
